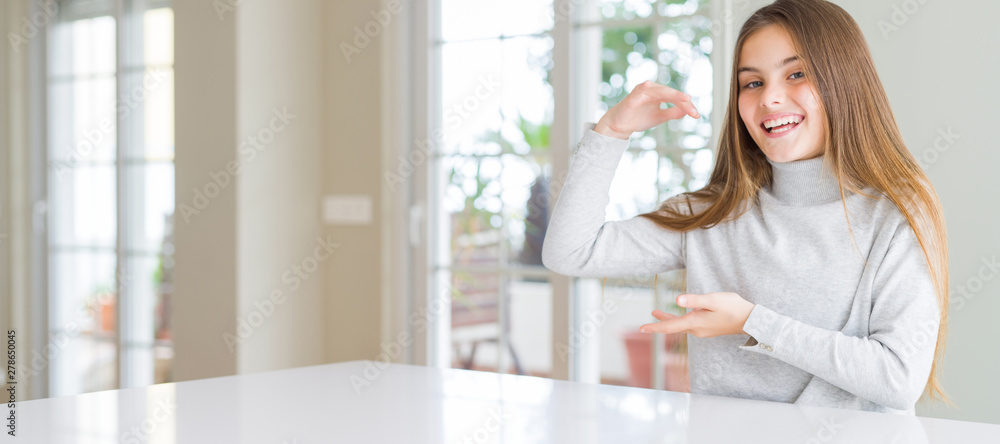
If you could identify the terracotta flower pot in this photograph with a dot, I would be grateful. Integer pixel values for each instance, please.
(108, 315)
(639, 348)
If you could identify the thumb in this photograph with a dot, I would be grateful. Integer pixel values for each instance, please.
(696, 301)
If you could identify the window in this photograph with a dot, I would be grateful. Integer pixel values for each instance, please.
(492, 170)
(621, 44)
(111, 194)
(495, 114)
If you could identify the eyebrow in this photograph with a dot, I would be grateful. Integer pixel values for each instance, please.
(752, 69)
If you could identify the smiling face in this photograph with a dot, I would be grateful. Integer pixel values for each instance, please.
(778, 105)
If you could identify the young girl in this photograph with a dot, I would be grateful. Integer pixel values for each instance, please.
(816, 259)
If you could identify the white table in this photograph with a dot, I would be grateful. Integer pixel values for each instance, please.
(412, 404)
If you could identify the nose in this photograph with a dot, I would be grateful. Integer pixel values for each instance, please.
(772, 95)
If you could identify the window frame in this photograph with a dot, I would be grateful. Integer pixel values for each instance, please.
(413, 233)
(128, 36)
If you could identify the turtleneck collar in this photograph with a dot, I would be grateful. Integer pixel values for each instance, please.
(803, 182)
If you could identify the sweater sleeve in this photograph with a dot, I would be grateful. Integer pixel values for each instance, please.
(892, 364)
(578, 241)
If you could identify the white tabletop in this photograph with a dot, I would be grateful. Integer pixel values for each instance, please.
(356, 402)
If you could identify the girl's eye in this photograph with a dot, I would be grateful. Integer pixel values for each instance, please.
(800, 74)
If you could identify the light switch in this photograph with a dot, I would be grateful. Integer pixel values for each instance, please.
(347, 209)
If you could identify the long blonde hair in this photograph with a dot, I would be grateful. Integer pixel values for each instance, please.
(864, 147)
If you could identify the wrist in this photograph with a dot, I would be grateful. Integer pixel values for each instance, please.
(747, 318)
(601, 128)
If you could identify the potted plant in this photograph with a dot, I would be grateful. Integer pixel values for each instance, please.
(101, 306)
(639, 347)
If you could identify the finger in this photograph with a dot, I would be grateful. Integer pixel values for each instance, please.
(663, 316)
(663, 93)
(680, 109)
(676, 325)
(705, 301)
(672, 113)
(692, 111)
(689, 108)
(666, 327)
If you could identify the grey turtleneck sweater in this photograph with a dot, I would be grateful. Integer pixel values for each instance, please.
(826, 330)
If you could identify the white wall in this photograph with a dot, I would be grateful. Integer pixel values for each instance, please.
(279, 72)
(352, 164)
(940, 70)
(232, 73)
(205, 303)
(15, 205)
(249, 90)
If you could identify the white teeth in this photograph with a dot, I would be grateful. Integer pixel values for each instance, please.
(778, 122)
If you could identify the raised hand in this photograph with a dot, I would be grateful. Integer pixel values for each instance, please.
(640, 110)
